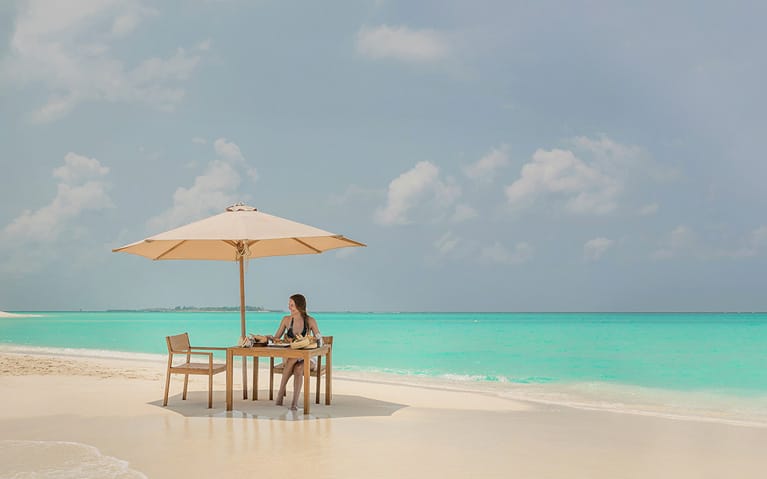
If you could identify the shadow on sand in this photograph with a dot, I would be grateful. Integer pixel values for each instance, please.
(343, 406)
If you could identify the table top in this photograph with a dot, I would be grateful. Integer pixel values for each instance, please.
(279, 351)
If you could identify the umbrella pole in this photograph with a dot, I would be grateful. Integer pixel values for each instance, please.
(242, 329)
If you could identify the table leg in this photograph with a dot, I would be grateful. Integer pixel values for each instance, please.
(271, 378)
(229, 379)
(244, 377)
(317, 386)
(307, 376)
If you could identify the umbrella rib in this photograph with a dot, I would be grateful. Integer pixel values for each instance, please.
(307, 245)
(355, 243)
(169, 250)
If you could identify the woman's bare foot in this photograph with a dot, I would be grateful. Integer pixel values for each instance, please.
(280, 397)
(293, 407)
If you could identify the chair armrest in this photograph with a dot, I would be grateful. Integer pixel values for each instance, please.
(211, 349)
(210, 355)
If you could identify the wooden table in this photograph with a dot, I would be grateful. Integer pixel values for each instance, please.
(278, 352)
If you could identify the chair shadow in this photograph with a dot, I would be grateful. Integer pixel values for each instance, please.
(343, 406)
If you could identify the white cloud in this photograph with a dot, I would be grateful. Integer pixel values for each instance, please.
(485, 168)
(593, 176)
(585, 188)
(463, 213)
(683, 237)
(355, 194)
(420, 186)
(211, 192)
(447, 243)
(227, 149)
(498, 253)
(127, 22)
(67, 48)
(402, 43)
(622, 161)
(205, 45)
(755, 244)
(77, 167)
(594, 249)
(405, 190)
(82, 188)
(649, 210)
(682, 241)
(199, 141)
(608, 151)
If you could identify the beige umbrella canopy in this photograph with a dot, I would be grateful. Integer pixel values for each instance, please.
(238, 234)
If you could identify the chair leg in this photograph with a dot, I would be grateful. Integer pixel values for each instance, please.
(210, 391)
(271, 379)
(167, 385)
(186, 382)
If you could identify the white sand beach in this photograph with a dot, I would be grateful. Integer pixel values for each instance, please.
(3, 314)
(108, 415)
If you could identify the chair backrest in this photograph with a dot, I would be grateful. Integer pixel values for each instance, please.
(327, 340)
(178, 343)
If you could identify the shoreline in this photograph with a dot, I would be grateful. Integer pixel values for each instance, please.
(69, 409)
(588, 396)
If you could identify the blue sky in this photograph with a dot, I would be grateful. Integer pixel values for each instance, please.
(495, 156)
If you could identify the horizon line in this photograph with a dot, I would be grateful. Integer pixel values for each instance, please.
(266, 310)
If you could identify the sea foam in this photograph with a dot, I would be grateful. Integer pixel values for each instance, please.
(60, 460)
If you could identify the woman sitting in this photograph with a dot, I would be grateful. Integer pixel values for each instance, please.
(298, 322)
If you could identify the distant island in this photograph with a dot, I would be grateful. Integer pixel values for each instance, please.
(192, 309)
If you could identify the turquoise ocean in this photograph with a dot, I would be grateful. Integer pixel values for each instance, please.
(702, 365)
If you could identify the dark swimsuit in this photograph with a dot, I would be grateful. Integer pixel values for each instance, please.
(289, 333)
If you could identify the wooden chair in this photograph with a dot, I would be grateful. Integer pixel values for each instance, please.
(179, 344)
(318, 373)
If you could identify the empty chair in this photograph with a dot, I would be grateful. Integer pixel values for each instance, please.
(318, 372)
(179, 344)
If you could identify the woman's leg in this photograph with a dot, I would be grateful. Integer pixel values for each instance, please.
(287, 371)
(298, 382)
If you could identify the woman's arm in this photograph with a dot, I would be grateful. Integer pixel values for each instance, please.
(312, 323)
(282, 327)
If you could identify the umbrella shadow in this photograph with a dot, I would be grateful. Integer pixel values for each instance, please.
(343, 406)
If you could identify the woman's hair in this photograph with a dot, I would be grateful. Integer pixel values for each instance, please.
(300, 302)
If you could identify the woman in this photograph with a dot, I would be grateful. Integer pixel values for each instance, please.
(298, 322)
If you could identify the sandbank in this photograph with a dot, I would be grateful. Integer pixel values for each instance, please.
(3, 314)
(108, 413)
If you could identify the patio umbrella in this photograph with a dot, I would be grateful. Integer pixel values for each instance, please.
(238, 234)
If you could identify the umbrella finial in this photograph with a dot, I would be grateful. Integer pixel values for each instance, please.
(241, 207)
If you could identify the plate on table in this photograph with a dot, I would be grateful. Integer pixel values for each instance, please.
(280, 345)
